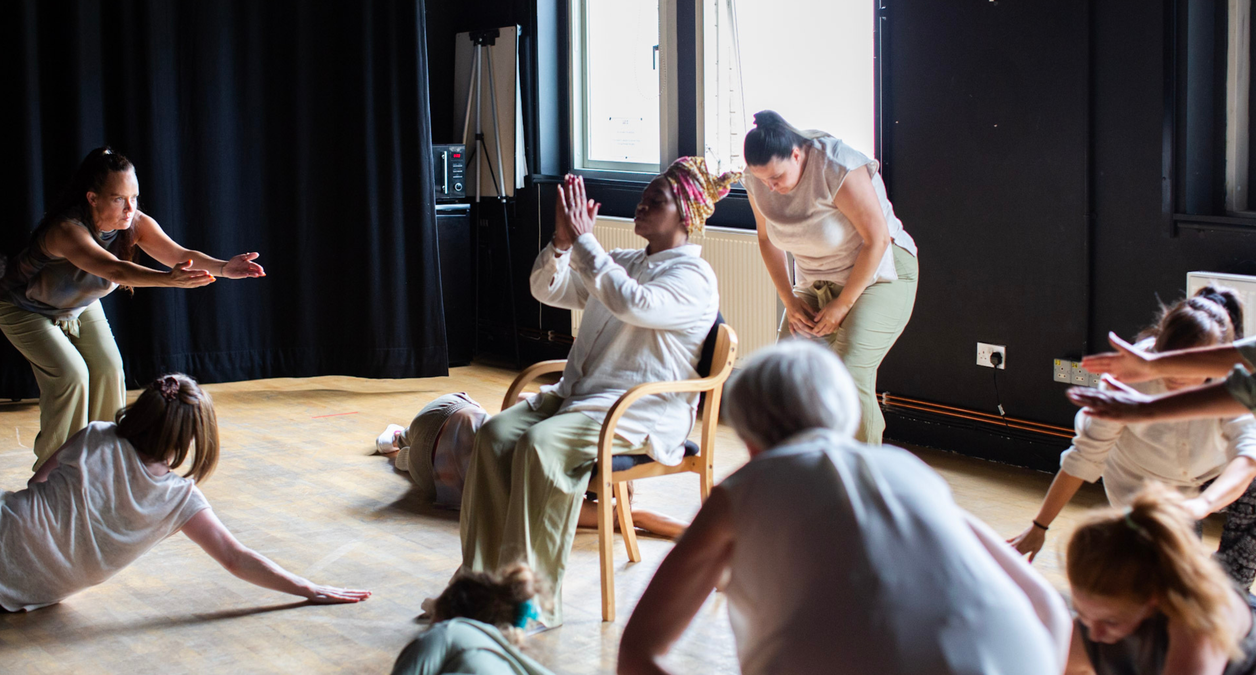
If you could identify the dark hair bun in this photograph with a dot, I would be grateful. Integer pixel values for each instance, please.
(1230, 301)
(769, 118)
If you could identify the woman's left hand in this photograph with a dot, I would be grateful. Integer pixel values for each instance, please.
(830, 318)
(330, 595)
(242, 266)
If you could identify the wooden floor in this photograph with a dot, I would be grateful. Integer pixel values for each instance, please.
(297, 482)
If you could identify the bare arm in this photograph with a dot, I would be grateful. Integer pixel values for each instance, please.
(211, 535)
(682, 583)
(1229, 486)
(44, 469)
(800, 315)
(1078, 660)
(1062, 489)
(858, 201)
(1129, 364)
(1212, 400)
(1191, 654)
(155, 242)
(1046, 601)
(75, 243)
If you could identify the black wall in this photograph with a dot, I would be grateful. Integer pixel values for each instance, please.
(1027, 148)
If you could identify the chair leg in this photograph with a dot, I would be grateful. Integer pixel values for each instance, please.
(706, 480)
(606, 540)
(626, 526)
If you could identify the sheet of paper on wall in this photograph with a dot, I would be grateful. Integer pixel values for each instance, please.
(505, 83)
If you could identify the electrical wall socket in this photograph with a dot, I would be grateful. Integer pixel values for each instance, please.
(1063, 371)
(985, 351)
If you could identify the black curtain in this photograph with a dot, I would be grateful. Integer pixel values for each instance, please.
(297, 129)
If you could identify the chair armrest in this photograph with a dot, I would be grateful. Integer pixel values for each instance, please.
(528, 375)
(607, 438)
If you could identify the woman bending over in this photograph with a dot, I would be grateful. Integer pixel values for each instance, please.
(1231, 396)
(1149, 600)
(110, 494)
(1211, 461)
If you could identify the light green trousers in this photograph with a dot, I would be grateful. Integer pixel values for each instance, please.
(866, 335)
(80, 377)
(521, 501)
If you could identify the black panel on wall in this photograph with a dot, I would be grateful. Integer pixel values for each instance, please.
(986, 136)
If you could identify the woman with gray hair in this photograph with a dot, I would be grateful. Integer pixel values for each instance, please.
(844, 558)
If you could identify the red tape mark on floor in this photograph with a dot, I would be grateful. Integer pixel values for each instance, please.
(333, 415)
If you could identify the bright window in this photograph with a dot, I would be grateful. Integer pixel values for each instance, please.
(809, 60)
(617, 104)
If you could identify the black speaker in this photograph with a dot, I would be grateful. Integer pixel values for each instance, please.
(457, 280)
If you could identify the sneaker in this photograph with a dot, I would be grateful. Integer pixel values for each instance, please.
(387, 442)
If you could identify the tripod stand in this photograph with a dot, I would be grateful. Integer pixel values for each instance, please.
(482, 39)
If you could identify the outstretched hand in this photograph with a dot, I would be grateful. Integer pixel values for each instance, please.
(183, 276)
(242, 266)
(1029, 542)
(1127, 363)
(329, 595)
(1117, 402)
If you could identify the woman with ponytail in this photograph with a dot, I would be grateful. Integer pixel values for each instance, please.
(50, 293)
(1230, 396)
(855, 268)
(111, 493)
(477, 626)
(1149, 600)
(1210, 461)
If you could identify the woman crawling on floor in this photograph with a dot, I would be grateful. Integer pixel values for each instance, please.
(110, 494)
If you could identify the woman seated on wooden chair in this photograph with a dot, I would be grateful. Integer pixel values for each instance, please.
(843, 557)
(435, 450)
(647, 313)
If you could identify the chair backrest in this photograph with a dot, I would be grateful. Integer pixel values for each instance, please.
(708, 347)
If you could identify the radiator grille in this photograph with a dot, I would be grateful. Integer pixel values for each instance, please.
(747, 297)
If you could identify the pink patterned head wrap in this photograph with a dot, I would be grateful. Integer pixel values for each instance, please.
(697, 190)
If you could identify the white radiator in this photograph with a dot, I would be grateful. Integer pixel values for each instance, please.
(1245, 286)
(747, 297)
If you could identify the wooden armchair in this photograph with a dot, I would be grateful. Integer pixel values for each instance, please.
(721, 346)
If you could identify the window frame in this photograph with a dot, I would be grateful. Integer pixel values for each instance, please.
(668, 108)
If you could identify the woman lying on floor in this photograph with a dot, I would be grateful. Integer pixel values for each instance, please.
(436, 451)
(843, 557)
(110, 494)
(477, 626)
(1211, 461)
(1149, 600)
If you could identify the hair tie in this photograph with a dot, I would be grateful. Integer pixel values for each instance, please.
(524, 611)
(169, 388)
(1129, 522)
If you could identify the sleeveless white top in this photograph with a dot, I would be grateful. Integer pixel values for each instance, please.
(852, 559)
(805, 222)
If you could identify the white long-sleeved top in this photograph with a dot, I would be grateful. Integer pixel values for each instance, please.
(645, 319)
(1183, 455)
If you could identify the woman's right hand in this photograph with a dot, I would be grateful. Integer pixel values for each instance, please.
(183, 276)
(801, 317)
(1029, 542)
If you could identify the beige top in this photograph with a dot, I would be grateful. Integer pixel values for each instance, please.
(99, 510)
(805, 222)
